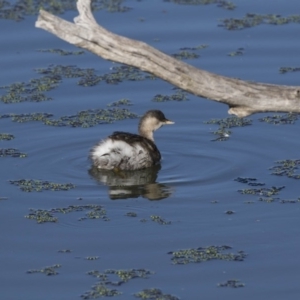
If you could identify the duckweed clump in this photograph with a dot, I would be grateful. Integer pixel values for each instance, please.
(100, 290)
(126, 275)
(232, 283)
(179, 95)
(131, 214)
(49, 271)
(250, 181)
(43, 216)
(92, 117)
(251, 20)
(92, 258)
(22, 118)
(287, 168)
(61, 52)
(33, 91)
(12, 152)
(6, 137)
(238, 52)
(223, 132)
(220, 3)
(266, 192)
(154, 294)
(18, 10)
(84, 118)
(160, 220)
(185, 55)
(121, 102)
(281, 119)
(284, 70)
(203, 254)
(33, 185)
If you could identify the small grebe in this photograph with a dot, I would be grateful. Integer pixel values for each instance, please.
(128, 151)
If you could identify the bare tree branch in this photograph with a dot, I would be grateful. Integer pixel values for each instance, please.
(244, 98)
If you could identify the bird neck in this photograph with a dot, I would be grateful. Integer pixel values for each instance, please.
(146, 133)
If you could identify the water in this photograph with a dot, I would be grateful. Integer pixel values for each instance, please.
(194, 186)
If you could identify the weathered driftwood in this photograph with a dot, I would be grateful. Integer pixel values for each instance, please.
(244, 98)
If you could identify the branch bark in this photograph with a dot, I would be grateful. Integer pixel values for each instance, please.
(244, 98)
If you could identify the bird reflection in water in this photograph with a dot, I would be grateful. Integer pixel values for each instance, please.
(132, 184)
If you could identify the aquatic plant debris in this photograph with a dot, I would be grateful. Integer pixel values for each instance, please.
(120, 102)
(160, 220)
(84, 118)
(33, 91)
(100, 290)
(106, 278)
(251, 20)
(44, 215)
(284, 70)
(18, 10)
(6, 137)
(179, 95)
(223, 132)
(281, 119)
(61, 52)
(12, 152)
(249, 180)
(34, 185)
(238, 52)
(220, 3)
(234, 283)
(286, 167)
(266, 192)
(49, 271)
(154, 294)
(202, 254)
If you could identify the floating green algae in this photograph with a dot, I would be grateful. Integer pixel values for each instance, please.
(61, 52)
(22, 118)
(33, 185)
(286, 167)
(106, 278)
(220, 3)
(154, 294)
(6, 137)
(43, 215)
(249, 180)
(202, 254)
(100, 290)
(234, 283)
(281, 119)
(92, 258)
(238, 52)
(18, 10)
(185, 55)
(32, 91)
(266, 192)
(120, 102)
(84, 118)
(226, 123)
(49, 271)
(64, 251)
(160, 220)
(284, 70)
(12, 152)
(131, 214)
(251, 20)
(179, 95)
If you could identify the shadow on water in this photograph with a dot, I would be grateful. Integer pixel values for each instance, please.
(132, 184)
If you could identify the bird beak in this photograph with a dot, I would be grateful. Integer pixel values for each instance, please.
(169, 122)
